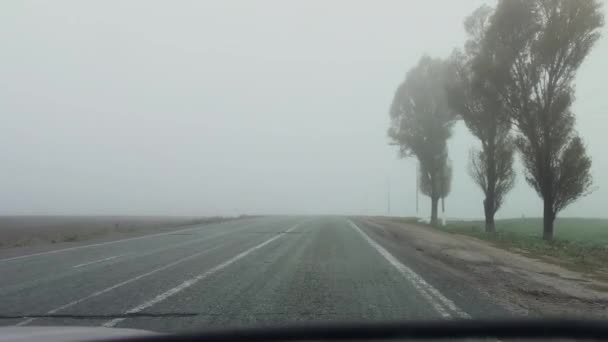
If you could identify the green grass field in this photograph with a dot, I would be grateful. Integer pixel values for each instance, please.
(594, 231)
(578, 241)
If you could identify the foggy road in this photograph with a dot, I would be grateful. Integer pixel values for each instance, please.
(254, 271)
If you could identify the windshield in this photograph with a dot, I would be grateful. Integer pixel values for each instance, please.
(174, 166)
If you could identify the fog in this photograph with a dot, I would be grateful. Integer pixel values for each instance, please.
(230, 107)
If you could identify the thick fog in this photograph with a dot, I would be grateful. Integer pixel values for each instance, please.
(230, 107)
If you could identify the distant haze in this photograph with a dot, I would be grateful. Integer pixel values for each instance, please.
(228, 107)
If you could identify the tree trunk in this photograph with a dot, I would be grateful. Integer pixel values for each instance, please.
(489, 214)
(548, 213)
(547, 174)
(489, 204)
(434, 206)
(548, 220)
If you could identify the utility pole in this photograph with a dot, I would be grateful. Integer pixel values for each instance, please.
(388, 195)
(443, 211)
(417, 185)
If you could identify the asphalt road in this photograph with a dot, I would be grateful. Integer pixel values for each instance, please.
(259, 271)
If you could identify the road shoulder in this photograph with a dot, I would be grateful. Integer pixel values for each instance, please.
(521, 285)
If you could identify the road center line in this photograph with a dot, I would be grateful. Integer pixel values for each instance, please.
(97, 261)
(189, 242)
(439, 302)
(181, 244)
(123, 283)
(186, 284)
(197, 226)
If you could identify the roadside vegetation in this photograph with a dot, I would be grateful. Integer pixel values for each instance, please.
(421, 125)
(578, 242)
(27, 231)
(512, 83)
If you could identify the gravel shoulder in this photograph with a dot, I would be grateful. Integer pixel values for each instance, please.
(520, 284)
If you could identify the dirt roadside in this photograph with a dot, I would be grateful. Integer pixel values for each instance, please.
(520, 284)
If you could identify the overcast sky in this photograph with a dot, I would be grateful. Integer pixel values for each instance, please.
(226, 107)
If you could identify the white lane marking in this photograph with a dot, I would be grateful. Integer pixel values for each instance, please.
(190, 242)
(186, 284)
(123, 283)
(97, 261)
(439, 302)
(186, 243)
(181, 244)
(102, 243)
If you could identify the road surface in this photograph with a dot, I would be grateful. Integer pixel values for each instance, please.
(255, 271)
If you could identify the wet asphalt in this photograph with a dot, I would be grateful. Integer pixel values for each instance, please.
(250, 272)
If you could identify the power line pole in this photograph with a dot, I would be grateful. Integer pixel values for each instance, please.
(388, 195)
(417, 185)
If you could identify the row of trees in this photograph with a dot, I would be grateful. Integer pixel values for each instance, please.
(513, 86)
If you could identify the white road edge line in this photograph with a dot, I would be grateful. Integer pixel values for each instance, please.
(123, 283)
(104, 243)
(439, 302)
(186, 284)
(97, 261)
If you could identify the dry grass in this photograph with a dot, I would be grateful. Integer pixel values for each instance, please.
(19, 231)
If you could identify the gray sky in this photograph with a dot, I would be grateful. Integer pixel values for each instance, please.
(225, 107)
